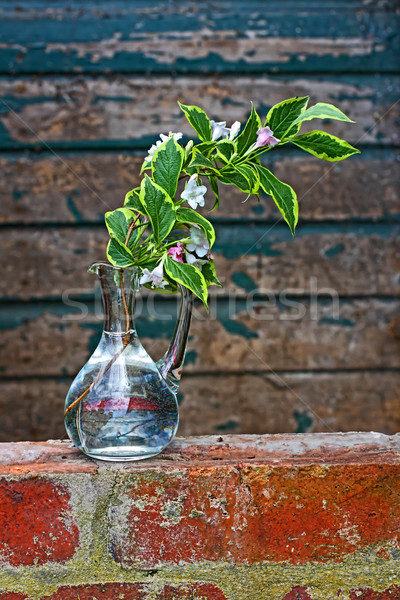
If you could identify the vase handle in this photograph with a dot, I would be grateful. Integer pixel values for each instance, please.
(170, 366)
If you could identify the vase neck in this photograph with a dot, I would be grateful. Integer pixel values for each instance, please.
(118, 288)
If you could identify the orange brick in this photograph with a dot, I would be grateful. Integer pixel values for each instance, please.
(36, 522)
(257, 513)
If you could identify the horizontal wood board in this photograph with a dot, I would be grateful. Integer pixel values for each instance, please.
(51, 338)
(109, 111)
(77, 188)
(211, 36)
(347, 258)
(32, 408)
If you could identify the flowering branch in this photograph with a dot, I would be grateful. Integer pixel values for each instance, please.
(171, 243)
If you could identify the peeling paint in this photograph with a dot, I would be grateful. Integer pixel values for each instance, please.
(193, 45)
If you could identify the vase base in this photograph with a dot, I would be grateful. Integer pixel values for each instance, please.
(123, 454)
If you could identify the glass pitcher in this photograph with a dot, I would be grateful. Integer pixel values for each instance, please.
(122, 405)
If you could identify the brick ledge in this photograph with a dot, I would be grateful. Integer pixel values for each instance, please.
(310, 448)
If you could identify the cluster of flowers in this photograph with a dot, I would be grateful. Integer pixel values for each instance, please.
(196, 251)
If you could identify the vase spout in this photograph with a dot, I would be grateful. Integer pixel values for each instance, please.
(170, 366)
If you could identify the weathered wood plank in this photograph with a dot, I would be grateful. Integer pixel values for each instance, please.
(32, 409)
(208, 36)
(347, 259)
(240, 335)
(80, 188)
(290, 403)
(132, 111)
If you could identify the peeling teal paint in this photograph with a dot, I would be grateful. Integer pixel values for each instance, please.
(228, 426)
(334, 250)
(304, 421)
(74, 209)
(244, 281)
(18, 194)
(238, 328)
(258, 209)
(190, 357)
(340, 321)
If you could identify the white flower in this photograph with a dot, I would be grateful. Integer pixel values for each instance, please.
(193, 193)
(220, 130)
(193, 260)
(234, 130)
(176, 136)
(164, 138)
(198, 242)
(155, 276)
(152, 150)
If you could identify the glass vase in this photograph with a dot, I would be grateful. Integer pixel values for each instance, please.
(122, 405)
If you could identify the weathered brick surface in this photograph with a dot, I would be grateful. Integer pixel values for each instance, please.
(246, 514)
(285, 517)
(297, 593)
(130, 591)
(36, 522)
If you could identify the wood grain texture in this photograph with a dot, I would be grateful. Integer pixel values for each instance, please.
(90, 85)
(80, 188)
(238, 336)
(356, 259)
(220, 404)
(268, 403)
(133, 111)
(208, 36)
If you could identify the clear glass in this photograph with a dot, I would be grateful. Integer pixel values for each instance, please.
(122, 406)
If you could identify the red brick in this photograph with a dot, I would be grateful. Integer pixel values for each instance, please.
(12, 596)
(297, 593)
(36, 523)
(391, 593)
(248, 514)
(135, 591)
(193, 591)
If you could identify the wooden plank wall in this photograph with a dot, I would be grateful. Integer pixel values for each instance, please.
(86, 87)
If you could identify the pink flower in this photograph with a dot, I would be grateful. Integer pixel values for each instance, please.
(176, 252)
(265, 137)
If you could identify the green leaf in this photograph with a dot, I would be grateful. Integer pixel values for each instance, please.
(159, 207)
(199, 121)
(234, 177)
(132, 201)
(206, 147)
(321, 110)
(167, 164)
(209, 274)
(188, 215)
(282, 117)
(324, 145)
(284, 196)
(118, 222)
(225, 149)
(252, 176)
(188, 276)
(249, 133)
(146, 166)
(201, 162)
(214, 186)
(118, 254)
